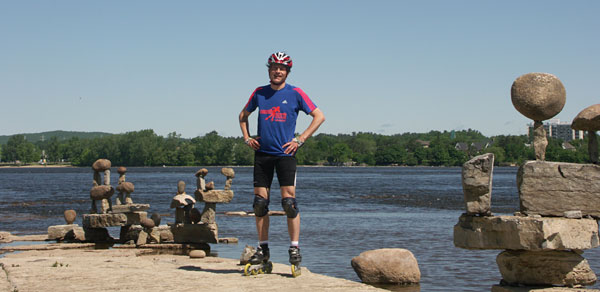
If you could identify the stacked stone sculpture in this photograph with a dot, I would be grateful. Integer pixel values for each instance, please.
(101, 191)
(589, 120)
(538, 96)
(543, 243)
(68, 232)
(200, 227)
(183, 204)
(124, 188)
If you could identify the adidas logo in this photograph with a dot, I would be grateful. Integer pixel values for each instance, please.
(284, 101)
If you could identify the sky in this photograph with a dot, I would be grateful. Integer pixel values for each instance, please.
(387, 67)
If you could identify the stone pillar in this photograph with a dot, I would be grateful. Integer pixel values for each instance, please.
(209, 213)
(593, 147)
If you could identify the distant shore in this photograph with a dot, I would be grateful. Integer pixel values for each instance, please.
(35, 166)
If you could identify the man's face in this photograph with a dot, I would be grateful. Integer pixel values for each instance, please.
(277, 74)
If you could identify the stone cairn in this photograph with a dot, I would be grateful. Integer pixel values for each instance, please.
(128, 216)
(191, 225)
(101, 191)
(543, 243)
(124, 188)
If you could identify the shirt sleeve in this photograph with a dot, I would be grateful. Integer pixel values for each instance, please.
(252, 102)
(305, 104)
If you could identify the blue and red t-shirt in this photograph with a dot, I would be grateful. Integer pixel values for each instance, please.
(278, 111)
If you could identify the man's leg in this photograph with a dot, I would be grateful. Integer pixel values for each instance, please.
(293, 223)
(262, 222)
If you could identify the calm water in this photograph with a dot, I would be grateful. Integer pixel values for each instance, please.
(344, 212)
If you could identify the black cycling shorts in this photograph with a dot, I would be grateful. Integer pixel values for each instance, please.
(264, 166)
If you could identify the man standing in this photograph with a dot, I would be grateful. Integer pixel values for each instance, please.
(275, 147)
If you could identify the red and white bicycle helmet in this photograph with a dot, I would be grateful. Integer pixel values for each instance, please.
(280, 58)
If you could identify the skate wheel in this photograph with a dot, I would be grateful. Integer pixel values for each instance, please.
(296, 271)
(269, 267)
(247, 270)
(254, 272)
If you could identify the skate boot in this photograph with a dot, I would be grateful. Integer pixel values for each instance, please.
(295, 259)
(259, 263)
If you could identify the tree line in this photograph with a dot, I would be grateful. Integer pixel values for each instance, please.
(146, 148)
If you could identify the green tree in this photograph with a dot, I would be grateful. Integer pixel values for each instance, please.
(19, 149)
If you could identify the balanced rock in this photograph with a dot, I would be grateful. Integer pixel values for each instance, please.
(101, 192)
(538, 96)
(156, 218)
(104, 220)
(210, 185)
(197, 254)
(552, 188)
(214, 196)
(228, 172)
(147, 223)
(122, 170)
(202, 172)
(477, 183)
(66, 232)
(101, 165)
(525, 233)
(388, 265)
(565, 268)
(126, 187)
(70, 216)
(180, 187)
(588, 119)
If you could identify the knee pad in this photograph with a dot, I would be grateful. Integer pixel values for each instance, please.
(261, 206)
(290, 207)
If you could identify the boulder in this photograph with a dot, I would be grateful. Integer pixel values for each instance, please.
(563, 268)
(228, 172)
(197, 254)
(181, 200)
(122, 170)
(388, 265)
(101, 165)
(477, 183)
(101, 192)
(525, 233)
(538, 96)
(70, 216)
(214, 196)
(104, 220)
(126, 187)
(588, 119)
(66, 232)
(552, 188)
(195, 233)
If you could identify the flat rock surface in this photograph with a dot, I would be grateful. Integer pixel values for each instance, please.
(122, 270)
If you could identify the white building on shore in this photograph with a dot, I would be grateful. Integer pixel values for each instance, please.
(559, 130)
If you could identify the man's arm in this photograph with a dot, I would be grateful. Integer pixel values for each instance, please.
(245, 127)
(318, 119)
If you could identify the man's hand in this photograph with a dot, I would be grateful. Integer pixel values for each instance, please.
(253, 143)
(292, 146)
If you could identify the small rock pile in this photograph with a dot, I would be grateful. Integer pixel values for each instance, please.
(543, 243)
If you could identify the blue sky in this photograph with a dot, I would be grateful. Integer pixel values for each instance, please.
(373, 66)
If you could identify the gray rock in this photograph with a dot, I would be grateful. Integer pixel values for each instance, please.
(588, 119)
(388, 265)
(156, 218)
(103, 220)
(142, 238)
(195, 215)
(197, 254)
(552, 188)
(70, 216)
(246, 254)
(525, 233)
(564, 268)
(101, 165)
(540, 142)
(538, 96)
(69, 232)
(477, 183)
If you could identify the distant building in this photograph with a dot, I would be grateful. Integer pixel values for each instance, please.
(559, 130)
(424, 144)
